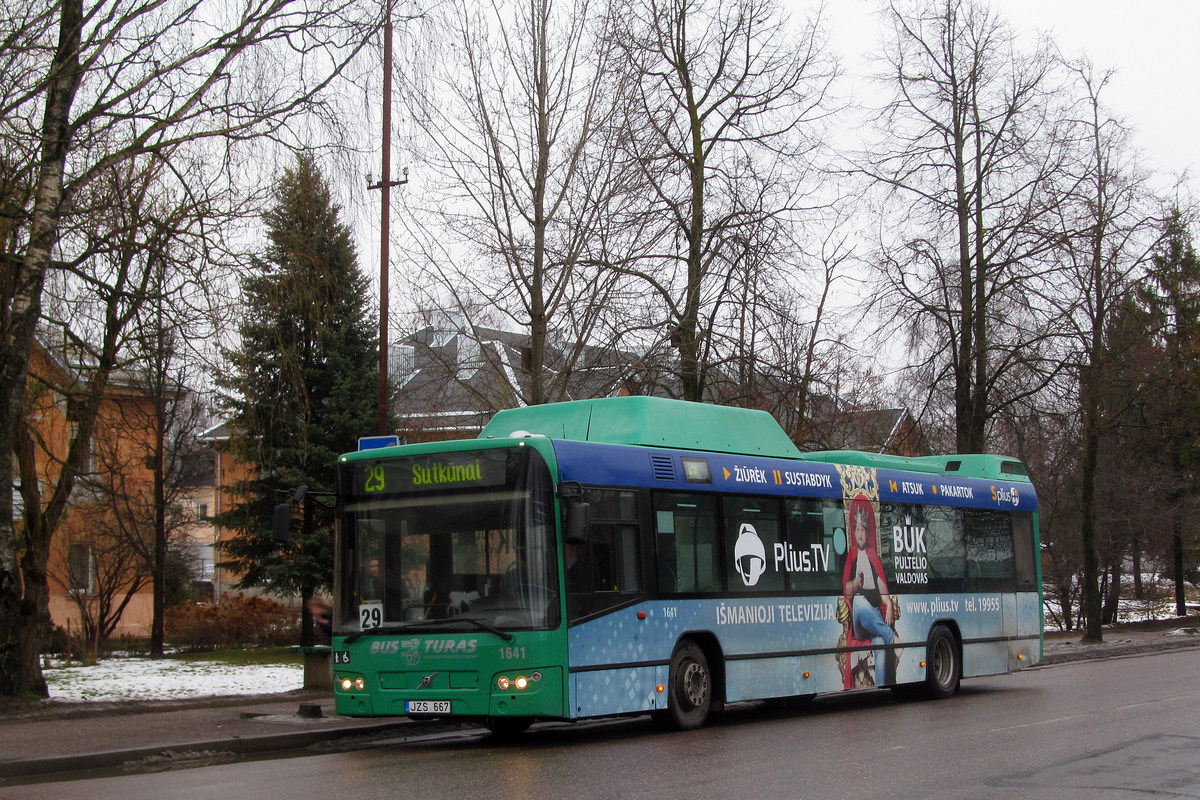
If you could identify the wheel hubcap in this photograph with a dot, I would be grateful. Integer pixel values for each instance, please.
(941, 663)
(695, 684)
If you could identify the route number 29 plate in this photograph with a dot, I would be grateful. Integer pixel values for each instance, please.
(427, 707)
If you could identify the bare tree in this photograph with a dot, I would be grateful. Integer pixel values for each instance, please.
(101, 576)
(1108, 222)
(786, 351)
(127, 513)
(1043, 431)
(84, 92)
(92, 305)
(153, 436)
(966, 151)
(724, 121)
(521, 130)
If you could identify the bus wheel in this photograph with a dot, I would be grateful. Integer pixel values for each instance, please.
(690, 692)
(507, 727)
(942, 667)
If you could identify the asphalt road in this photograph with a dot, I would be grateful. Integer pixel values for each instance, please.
(1117, 728)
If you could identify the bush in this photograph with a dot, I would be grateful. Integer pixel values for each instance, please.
(58, 642)
(236, 621)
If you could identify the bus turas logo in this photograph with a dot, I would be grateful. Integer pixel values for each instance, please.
(451, 647)
(385, 647)
(438, 472)
(411, 650)
(749, 555)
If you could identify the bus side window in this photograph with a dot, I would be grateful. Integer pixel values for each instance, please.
(947, 557)
(607, 568)
(989, 540)
(687, 545)
(813, 527)
(755, 550)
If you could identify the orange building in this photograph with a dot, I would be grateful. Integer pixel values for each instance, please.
(99, 554)
(215, 497)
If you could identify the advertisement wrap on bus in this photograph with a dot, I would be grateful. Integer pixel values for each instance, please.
(638, 555)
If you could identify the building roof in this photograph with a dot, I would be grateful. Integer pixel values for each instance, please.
(451, 381)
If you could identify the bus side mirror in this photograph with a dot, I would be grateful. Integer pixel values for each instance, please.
(281, 527)
(578, 519)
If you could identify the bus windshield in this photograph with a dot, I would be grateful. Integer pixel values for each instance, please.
(460, 538)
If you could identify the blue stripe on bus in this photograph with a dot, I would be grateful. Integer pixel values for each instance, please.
(629, 466)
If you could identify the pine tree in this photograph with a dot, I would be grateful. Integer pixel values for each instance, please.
(1174, 295)
(302, 387)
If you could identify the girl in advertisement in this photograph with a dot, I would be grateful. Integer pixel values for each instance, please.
(866, 589)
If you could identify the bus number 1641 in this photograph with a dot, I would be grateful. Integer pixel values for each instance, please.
(509, 653)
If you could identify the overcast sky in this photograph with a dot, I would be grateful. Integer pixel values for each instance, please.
(1153, 44)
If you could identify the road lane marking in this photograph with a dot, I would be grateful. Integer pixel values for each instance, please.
(1039, 722)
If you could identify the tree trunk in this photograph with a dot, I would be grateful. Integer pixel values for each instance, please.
(159, 567)
(20, 671)
(1177, 553)
(1090, 592)
(1068, 610)
(1139, 591)
(34, 621)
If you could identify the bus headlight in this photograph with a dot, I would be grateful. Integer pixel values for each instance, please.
(349, 684)
(519, 683)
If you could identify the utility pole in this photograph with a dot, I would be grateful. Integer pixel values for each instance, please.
(385, 185)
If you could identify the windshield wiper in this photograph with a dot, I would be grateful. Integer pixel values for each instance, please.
(386, 629)
(483, 626)
(403, 627)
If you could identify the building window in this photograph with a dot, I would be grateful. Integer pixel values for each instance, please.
(89, 466)
(81, 568)
(202, 511)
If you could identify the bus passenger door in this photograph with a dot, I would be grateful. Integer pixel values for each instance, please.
(1008, 605)
(1028, 600)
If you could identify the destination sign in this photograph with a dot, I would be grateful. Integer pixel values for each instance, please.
(433, 472)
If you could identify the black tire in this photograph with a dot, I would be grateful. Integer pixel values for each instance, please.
(689, 689)
(507, 727)
(943, 667)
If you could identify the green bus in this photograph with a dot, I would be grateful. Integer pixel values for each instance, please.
(637, 555)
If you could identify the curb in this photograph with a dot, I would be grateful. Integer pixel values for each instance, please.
(71, 709)
(1085, 652)
(243, 745)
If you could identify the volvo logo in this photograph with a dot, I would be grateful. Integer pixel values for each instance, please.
(427, 680)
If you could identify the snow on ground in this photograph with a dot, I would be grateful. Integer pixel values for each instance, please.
(131, 678)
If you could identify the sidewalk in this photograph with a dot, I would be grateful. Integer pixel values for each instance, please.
(1124, 640)
(55, 738)
(64, 738)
